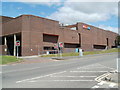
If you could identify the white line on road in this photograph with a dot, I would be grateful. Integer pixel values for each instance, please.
(39, 77)
(108, 67)
(73, 80)
(101, 83)
(91, 67)
(65, 80)
(88, 71)
(97, 65)
(98, 79)
(32, 81)
(74, 76)
(95, 86)
(94, 65)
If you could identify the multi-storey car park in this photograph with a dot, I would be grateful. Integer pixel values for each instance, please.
(38, 35)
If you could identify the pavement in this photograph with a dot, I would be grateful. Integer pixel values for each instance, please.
(83, 72)
(30, 60)
(38, 59)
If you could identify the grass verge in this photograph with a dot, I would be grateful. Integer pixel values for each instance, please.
(102, 51)
(84, 53)
(8, 59)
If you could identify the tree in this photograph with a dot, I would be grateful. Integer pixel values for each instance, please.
(117, 41)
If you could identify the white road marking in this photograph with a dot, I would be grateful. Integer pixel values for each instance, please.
(97, 65)
(69, 80)
(112, 85)
(73, 76)
(95, 86)
(108, 67)
(101, 83)
(91, 67)
(31, 81)
(98, 79)
(38, 77)
(52, 75)
(74, 80)
(88, 71)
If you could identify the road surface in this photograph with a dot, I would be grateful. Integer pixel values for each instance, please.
(71, 73)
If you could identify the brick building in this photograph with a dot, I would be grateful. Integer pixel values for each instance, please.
(38, 35)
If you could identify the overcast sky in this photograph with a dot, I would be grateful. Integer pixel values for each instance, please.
(100, 14)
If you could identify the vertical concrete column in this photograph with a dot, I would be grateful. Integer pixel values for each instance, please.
(14, 51)
(5, 43)
(5, 40)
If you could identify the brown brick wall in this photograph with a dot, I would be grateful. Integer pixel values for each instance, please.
(71, 36)
(32, 29)
(12, 26)
(95, 36)
(5, 19)
(2, 50)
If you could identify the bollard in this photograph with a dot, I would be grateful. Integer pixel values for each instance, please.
(47, 53)
(80, 52)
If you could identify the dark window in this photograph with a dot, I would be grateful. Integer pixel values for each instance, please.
(50, 38)
(69, 45)
(48, 48)
(1, 40)
(79, 38)
(99, 46)
(107, 41)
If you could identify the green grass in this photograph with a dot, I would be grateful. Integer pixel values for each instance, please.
(8, 59)
(102, 51)
(85, 53)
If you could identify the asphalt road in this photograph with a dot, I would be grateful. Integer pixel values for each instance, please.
(71, 73)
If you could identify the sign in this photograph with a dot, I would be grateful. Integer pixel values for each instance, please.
(17, 43)
(77, 50)
(86, 27)
(61, 44)
(55, 46)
